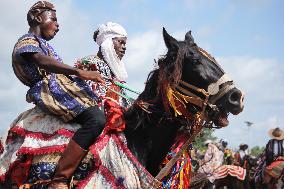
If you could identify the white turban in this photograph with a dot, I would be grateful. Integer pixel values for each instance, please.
(208, 142)
(104, 38)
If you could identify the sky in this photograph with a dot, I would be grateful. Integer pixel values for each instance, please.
(245, 36)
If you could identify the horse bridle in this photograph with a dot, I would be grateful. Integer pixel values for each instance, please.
(213, 93)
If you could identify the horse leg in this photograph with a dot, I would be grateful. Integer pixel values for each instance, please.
(267, 178)
(8, 184)
(208, 185)
(220, 183)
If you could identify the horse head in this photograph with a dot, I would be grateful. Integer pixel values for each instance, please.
(192, 72)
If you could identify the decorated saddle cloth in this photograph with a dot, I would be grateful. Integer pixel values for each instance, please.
(276, 168)
(60, 95)
(232, 170)
(38, 138)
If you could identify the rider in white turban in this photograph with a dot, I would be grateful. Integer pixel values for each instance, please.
(106, 33)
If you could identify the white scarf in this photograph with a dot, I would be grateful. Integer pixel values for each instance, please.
(107, 32)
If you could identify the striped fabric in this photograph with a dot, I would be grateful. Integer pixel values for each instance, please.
(276, 169)
(274, 149)
(60, 95)
(231, 170)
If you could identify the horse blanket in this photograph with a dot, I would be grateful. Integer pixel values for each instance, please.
(231, 170)
(36, 139)
(276, 168)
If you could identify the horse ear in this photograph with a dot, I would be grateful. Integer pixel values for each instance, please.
(188, 38)
(171, 43)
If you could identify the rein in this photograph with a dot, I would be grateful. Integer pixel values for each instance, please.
(122, 86)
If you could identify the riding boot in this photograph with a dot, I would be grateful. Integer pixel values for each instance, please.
(67, 164)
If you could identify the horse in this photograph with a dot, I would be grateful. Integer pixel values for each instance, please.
(187, 92)
(263, 179)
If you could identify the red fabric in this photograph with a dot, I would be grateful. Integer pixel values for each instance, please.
(114, 115)
(179, 178)
(111, 94)
(180, 107)
(42, 150)
(115, 123)
(1, 147)
(237, 159)
(276, 168)
(20, 170)
(43, 136)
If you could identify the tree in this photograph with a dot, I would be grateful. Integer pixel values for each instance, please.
(206, 134)
(256, 150)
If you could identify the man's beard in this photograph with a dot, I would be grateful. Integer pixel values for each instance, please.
(112, 59)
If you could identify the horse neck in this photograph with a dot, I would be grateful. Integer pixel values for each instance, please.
(149, 135)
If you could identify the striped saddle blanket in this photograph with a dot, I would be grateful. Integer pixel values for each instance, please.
(232, 170)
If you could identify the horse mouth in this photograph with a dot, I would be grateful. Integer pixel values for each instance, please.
(221, 119)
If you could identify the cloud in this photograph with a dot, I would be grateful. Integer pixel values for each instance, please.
(262, 81)
(142, 49)
(258, 77)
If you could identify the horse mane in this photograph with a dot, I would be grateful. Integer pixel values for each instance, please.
(157, 84)
(170, 72)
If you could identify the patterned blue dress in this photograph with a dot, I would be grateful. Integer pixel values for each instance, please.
(58, 94)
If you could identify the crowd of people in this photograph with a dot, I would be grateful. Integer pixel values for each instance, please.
(264, 169)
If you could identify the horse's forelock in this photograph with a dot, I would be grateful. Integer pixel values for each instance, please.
(170, 72)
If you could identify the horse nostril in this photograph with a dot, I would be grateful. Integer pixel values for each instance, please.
(235, 97)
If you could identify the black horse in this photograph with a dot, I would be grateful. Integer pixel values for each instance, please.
(187, 69)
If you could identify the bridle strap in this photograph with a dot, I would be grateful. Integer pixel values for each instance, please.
(214, 90)
(187, 92)
(221, 93)
(194, 88)
(184, 98)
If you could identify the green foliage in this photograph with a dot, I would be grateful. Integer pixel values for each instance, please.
(256, 151)
(206, 134)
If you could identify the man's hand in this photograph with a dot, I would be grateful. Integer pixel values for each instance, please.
(90, 75)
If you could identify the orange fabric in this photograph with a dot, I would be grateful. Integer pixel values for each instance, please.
(113, 95)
